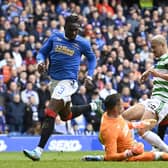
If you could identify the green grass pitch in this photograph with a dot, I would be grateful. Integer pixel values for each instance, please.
(69, 160)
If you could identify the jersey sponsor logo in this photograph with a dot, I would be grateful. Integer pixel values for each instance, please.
(64, 50)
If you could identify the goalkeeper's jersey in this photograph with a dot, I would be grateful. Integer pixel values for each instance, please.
(160, 86)
(116, 136)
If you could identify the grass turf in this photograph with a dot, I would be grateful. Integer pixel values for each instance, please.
(69, 160)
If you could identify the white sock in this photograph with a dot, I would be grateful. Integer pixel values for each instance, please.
(39, 150)
(93, 106)
(133, 133)
(158, 155)
(155, 140)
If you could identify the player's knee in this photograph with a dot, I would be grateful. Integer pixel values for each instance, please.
(66, 117)
(50, 113)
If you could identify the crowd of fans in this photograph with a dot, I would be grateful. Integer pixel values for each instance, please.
(120, 36)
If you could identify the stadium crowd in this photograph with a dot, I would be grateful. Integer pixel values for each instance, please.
(120, 34)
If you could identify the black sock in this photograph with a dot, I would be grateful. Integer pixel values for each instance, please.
(47, 129)
(80, 109)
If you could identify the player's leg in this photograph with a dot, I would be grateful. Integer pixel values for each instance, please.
(164, 156)
(145, 156)
(46, 130)
(69, 112)
(150, 156)
(134, 113)
(155, 109)
(56, 104)
(59, 104)
(161, 130)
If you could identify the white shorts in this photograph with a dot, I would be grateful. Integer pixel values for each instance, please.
(63, 89)
(158, 107)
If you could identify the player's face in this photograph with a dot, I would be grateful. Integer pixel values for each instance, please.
(71, 30)
(157, 49)
(120, 107)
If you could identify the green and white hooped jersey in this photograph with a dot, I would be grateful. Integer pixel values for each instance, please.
(160, 86)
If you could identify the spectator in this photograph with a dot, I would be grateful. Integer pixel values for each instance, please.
(15, 117)
(94, 117)
(89, 130)
(30, 59)
(7, 70)
(11, 91)
(44, 96)
(81, 98)
(126, 97)
(3, 127)
(60, 126)
(22, 80)
(108, 90)
(16, 54)
(28, 92)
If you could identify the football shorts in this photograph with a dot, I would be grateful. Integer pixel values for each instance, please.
(63, 89)
(158, 107)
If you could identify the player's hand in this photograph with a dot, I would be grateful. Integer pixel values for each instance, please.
(41, 67)
(144, 76)
(88, 83)
(137, 148)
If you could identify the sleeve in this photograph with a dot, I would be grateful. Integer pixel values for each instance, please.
(88, 52)
(45, 50)
(110, 143)
(111, 152)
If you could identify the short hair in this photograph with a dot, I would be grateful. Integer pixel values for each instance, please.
(112, 100)
(73, 18)
(159, 39)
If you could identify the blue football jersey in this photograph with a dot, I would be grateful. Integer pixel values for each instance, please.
(65, 55)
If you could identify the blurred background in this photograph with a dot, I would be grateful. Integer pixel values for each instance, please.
(120, 33)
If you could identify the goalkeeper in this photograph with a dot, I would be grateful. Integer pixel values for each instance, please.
(116, 136)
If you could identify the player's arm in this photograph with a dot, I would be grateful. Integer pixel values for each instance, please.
(44, 50)
(43, 54)
(110, 143)
(112, 155)
(154, 73)
(158, 74)
(110, 152)
(88, 52)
